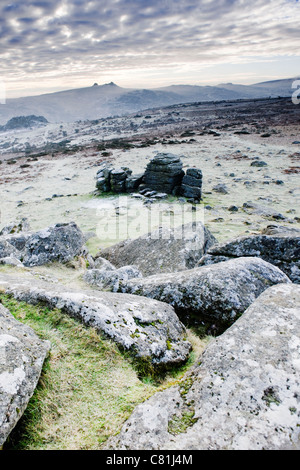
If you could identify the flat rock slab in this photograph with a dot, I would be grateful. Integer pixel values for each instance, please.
(149, 329)
(216, 294)
(163, 250)
(242, 395)
(22, 355)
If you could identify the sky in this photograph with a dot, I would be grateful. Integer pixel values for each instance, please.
(53, 45)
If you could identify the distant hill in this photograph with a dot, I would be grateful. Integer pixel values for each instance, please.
(99, 101)
(21, 122)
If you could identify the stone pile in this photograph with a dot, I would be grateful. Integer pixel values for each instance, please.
(163, 175)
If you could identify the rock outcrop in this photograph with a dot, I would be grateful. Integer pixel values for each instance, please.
(243, 394)
(150, 330)
(277, 245)
(163, 250)
(163, 175)
(22, 355)
(216, 294)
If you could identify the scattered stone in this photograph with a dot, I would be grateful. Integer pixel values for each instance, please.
(163, 250)
(11, 261)
(233, 208)
(215, 294)
(103, 265)
(22, 355)
(266, 135)
(220, 188)
(258, 163)
(243, 394)
(264, 211)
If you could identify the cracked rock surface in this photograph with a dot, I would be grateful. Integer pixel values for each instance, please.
(149, 329)
(243, 393)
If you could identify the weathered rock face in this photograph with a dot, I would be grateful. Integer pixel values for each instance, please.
(164, 173)
(280, 247)
(163, 250)
(217, 294)
(60, 242)
(16, 227)
(192, 184)
(242, 395)
(106, 279)
(7, 249)
(147, 328)
(22, 355)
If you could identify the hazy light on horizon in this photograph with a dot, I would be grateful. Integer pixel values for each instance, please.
(49, 46)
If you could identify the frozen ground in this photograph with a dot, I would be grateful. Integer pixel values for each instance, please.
(57, 184)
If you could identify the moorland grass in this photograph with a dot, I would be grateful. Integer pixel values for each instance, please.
(87, 388)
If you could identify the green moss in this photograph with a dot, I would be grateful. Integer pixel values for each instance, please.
(179, 424)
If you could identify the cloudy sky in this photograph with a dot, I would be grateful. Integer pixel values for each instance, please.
(50, 45)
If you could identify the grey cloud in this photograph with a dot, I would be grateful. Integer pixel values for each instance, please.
(150, 31)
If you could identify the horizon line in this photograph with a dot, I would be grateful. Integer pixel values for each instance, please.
(95, 84)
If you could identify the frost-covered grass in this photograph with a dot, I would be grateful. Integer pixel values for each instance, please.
(87, 388)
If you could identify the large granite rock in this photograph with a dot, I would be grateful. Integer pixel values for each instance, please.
(217, 294)
(60, 242)
(277, 245)
(243, 394)
(22, 355)
(164, 173)
(150, 330)
(163, 250)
